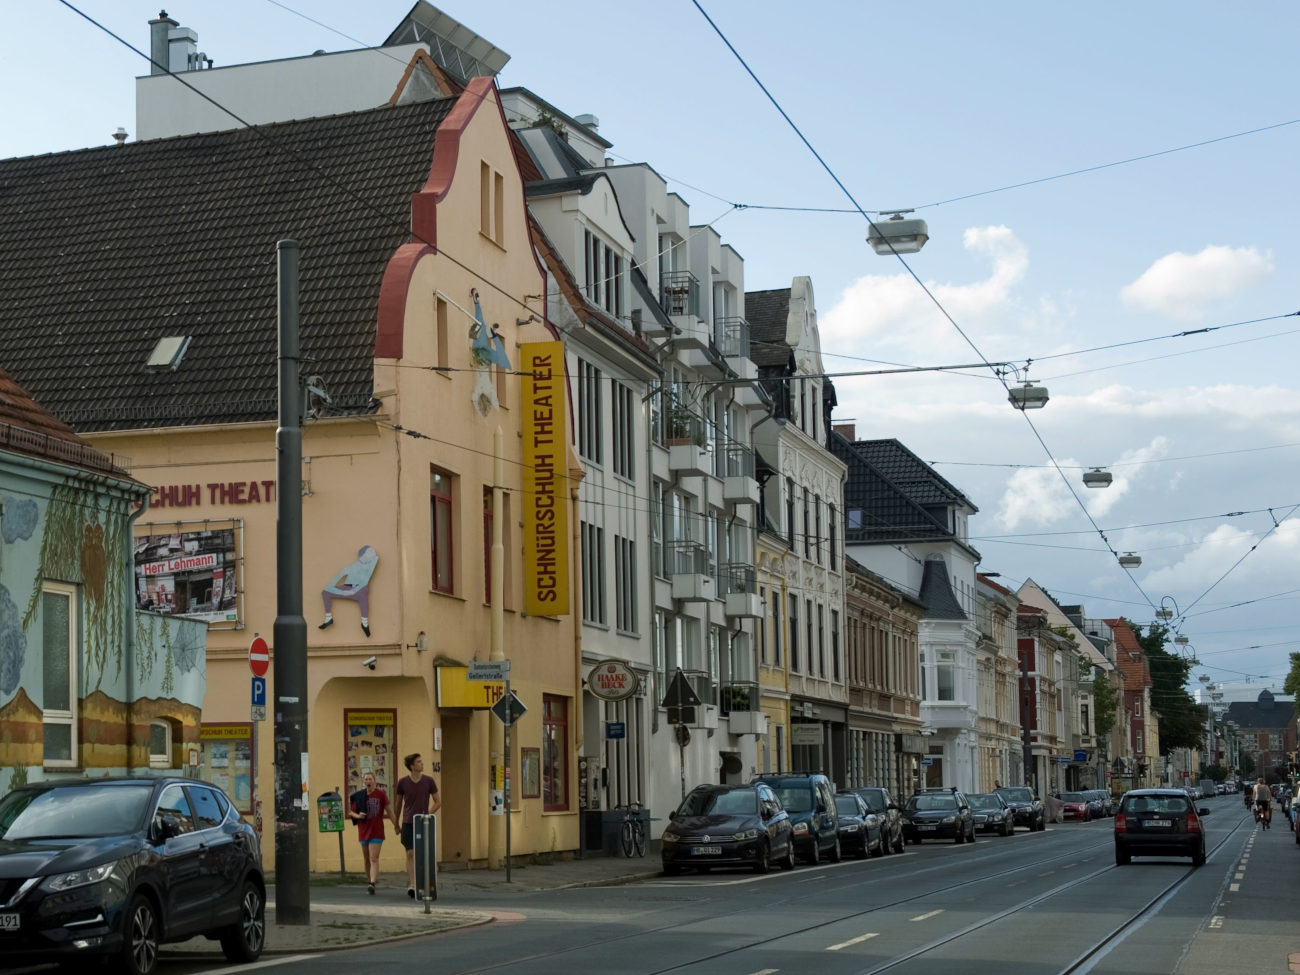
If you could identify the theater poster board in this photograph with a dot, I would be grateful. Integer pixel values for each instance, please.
(370, 745)
(226, 760)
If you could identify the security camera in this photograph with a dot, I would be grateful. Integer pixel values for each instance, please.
(370, 662)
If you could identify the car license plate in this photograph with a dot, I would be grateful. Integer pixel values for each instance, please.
(8, 922)
(1159, 822)
(706, 851)
(927, 827)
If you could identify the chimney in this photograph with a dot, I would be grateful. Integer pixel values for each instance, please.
(846, 430)
(588, 121)
(158, 42)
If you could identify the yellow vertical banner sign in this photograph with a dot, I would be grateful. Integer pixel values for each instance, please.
(545, 427)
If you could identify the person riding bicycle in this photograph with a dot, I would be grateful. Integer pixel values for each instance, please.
(1263, 802)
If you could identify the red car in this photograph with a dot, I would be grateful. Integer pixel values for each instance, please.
(1074, 805)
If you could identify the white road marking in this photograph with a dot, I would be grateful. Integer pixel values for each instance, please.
(924, 917)
(264, 963)
(766, 971)
(1234, 887)
(853, 941)
(1239, 876)
(1216, 921)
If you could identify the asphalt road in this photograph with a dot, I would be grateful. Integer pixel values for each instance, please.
(1032, 903)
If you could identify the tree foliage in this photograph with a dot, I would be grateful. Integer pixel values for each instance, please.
(1182, 720)
(1292, 684)
(1216, 772)
(1106, 701)
(1247, 764)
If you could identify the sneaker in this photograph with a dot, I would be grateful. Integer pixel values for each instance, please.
(410, 892)
(371, 888)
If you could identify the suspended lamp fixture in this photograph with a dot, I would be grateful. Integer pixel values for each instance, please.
(1130, 560)
(1096, 478)
(897, 235)
(1181, 640)
(1028, 396)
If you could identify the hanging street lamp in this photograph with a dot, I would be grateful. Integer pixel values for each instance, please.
(1130, 560)
(1096, 478)
(897, 235)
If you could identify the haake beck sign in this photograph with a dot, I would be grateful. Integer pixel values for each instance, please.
(612, 680)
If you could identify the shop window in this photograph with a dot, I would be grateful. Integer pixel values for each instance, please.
(226, 761)
(370, 746)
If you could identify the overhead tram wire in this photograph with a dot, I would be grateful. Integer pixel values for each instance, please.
(921, 284)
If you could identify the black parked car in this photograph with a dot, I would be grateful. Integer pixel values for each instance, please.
(1159, 822)
(992, 814)
(728, 826)
(1027, 806)
(939, 815)
(881, 802)
(117, 866)
(860, 828)
(809, 798)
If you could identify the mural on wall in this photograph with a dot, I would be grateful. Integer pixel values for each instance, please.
(80, 527)
(78, 536)
(352, 583)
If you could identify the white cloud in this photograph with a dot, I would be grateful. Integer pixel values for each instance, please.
(1181, 285)
(1035, 496)
(889, 317)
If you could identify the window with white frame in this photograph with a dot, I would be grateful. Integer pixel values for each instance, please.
(59, 643)
(593, 573)
(603, 268)
(625, 584)
(945, 675)
(590, 420)
(623, 423)
(160, 744)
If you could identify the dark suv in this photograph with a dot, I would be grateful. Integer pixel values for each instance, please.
(1026, 806)
(809, 800)
(881, 802)
(118, 866)
(728, 826)
(1159, 822)
(939, 815)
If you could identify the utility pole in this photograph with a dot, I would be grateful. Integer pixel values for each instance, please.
(498, 736)
(292, 891)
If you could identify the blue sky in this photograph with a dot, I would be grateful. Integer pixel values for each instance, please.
(911, 105)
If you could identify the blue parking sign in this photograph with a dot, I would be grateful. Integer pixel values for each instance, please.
(259, 692)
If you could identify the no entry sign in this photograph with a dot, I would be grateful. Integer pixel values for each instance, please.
(259, 657)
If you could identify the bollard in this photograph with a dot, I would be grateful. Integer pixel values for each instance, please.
(424, 830)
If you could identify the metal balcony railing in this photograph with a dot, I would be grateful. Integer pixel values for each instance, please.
(739, 577)
(738, 695)
(686, 557)
(703, 684)
(731, 336)
(737, 460)
(679, 291)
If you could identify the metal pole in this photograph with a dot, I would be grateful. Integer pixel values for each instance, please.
(292, 891)
(498, 734)
(511, 715)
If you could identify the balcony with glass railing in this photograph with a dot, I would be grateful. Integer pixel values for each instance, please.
(740, 483)
(740, 585)
(687, 441)
(688, 570)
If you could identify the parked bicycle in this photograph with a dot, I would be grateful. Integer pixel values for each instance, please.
(632, 833)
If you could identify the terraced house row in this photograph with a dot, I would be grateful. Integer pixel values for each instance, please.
(506, 336)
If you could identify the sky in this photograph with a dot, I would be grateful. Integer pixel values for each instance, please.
(1088, 284)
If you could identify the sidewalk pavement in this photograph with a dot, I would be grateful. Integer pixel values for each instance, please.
(343, 914)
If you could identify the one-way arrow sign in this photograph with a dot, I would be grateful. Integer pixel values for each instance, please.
(509, 709)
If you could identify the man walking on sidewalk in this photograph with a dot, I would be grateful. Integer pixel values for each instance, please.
(417, 794)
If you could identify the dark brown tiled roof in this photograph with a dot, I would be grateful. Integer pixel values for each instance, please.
(104, 251)
(27, 428)
(767, 313)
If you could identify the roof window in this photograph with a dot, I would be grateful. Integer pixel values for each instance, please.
(167, 354)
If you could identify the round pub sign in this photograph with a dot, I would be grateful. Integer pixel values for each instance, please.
(612, 680)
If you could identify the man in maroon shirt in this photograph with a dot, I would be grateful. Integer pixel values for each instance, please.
(417, 794)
